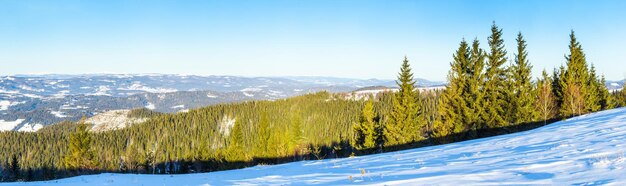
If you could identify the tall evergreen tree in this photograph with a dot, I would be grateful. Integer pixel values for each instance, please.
(606, 100)
(451, 103)
(522, 88)
(473, 89)
(574, 86)
(495, 87)
(80, 156)
(365, 131)
(405, 126)
(15, 168)
(594, 93)
(263, 133)
(558, 78)
(236, 148)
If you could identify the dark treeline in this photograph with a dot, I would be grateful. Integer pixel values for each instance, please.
(487, 94)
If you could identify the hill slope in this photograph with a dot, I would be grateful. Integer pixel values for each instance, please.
(586, 150)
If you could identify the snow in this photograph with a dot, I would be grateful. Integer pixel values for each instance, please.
(251, 89)
(9, 125)
(150, 106)
(209, 95)
(4, 104)
(58, 114)
(138, 86)
(586, 150)
(614, 84)
(61, 94)
(101, 91)
(226, 124)
(247, 94)
(30, 127)
(178, 106)
(28, 88)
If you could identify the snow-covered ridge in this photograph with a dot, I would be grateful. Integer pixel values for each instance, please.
(112, 120)
(586, 150)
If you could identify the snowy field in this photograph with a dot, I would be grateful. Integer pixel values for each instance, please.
(586, 150)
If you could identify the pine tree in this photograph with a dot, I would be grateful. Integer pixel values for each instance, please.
(451, 103)
(545, 103)
(522, 88)
(263, 132)
(15, 168)
(574, 84)
(80, 156)
(594, 93)
(236, 148)
(405, 126)
(365, 131)
(558, 78)
(495, 87)
(473, 89)
(606, 100)
(621, 96)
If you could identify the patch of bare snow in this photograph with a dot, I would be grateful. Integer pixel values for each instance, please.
(138, 86)
(226, 124)
(58, 114)
(9, 125)
(178, 106)
(150, 106)
(4, 104)
(30, 127)
(211, 95)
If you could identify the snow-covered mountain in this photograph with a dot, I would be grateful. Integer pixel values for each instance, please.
(29, 102)
(614, 85)
(585, 150)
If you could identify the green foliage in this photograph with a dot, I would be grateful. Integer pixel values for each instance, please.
(574, 84)
(496, 92)
(523, 94)
(142, 113)
(365, 133)
(80, 155)
(405, 125)
(605, 98)
(545, 102)
(592, 102)
(452, 104)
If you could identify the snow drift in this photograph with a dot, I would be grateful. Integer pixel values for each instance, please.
(585, 150)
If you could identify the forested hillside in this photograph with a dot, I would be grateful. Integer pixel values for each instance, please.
(485, 96)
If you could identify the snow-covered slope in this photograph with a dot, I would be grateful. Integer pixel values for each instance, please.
(586, 150)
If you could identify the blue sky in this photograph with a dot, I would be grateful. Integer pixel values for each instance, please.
(359, 39)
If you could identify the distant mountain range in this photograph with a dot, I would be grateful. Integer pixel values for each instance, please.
(29, 102)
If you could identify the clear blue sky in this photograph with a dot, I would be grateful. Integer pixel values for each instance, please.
(361, 39)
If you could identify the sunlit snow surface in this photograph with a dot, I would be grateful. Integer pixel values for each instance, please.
(586, 150)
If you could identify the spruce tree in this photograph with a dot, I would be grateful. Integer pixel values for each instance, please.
(594, 91)
(574, 84)
(365, 131)
(405, 126)
(522, 88)
(236, 148)
(15, 168)
(80, 156)
(606, 100)
(622, 95)
(451, 103)
(263, 133)
(495, 87)
(473, 89)
(558, 77)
